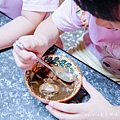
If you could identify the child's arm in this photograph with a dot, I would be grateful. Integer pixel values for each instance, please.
(46, 34)
(44, 37)
(23, 25)
(47, 31)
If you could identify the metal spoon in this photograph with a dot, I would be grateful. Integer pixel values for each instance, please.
(60, 72)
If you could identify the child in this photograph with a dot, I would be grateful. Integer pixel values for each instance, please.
(102, 19)
(26, 18)
(103, 47)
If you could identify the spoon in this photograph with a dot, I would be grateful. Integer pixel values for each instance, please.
(60, 72)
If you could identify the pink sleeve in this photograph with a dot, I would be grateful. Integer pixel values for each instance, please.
(40, 5)
(66, 18)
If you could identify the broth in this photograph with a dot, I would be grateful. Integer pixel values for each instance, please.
(44, 75)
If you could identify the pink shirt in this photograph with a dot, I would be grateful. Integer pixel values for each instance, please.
(13, 8)
(40, 5)
(102, 42)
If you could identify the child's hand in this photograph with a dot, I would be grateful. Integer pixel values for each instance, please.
(25, 58)
(97, 108)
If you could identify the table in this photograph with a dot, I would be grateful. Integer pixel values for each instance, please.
(16, 102)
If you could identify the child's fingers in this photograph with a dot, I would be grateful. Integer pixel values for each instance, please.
(24, 56)
(21, 65)
(63, 115)
(68, 108)
(89, 88)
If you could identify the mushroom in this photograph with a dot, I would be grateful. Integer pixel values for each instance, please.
(47, 88)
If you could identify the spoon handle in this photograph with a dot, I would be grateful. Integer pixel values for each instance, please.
(44, 63)
(19, 44)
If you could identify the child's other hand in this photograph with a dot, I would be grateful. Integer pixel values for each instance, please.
(25, 58)
(97, 108)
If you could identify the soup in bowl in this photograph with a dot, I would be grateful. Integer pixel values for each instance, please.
(44, 85)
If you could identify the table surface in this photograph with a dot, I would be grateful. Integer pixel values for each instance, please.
(17, 103)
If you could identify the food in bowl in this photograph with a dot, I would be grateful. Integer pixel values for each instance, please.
(46, 86)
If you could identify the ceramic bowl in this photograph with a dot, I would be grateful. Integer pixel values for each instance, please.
(46, 86)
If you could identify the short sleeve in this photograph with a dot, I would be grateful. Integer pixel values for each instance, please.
(66, 17)
(40, 5)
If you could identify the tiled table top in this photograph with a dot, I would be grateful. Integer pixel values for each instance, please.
(16, 103)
